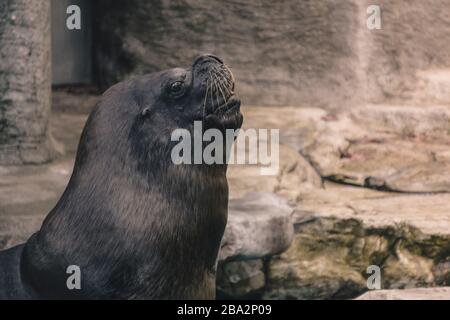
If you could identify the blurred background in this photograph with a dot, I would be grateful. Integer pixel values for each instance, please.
(363, 113)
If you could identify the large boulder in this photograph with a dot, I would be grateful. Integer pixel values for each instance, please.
(341, 230)
(259, 225)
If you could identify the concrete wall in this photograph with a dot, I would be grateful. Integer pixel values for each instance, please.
(408, 60)
(71, 49)
(25, 81)
(290, 52)
(281, 52)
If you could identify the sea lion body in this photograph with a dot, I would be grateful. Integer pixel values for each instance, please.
(137, 225)
(11, 284)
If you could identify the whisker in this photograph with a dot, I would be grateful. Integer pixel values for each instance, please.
(226, 84)
(220, 88)
(206, 96)
(212, 99)
(227, 74)
(227, 89)
(230, 74)
(217, 90)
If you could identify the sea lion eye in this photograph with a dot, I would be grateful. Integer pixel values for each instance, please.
(177, 88)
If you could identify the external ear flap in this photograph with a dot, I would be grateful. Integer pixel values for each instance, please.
(145, 112)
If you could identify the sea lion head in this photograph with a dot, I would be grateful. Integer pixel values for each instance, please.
(205, 91)
(142, 113)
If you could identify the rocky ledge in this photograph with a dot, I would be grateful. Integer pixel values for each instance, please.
(347, 220)
(368, 187)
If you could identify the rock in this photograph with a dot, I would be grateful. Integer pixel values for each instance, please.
(408, 294)
(295, 174)
(298, 127)
(241, 279)
(259, 225)
(397, 148)
(341, 230)
(329, 257)
(425, 212)
(384, 147)
(315, 266)
(17, 229)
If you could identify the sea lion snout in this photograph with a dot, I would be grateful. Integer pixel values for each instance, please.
(206, 57)
(215, 81)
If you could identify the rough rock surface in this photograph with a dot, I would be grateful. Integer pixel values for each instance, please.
(329, 257)
(25, 82)
(241, 279)
(408, 294)
(395, 148)
(259, 225)
(342, 229)
(406, 61)
(427, 212)
(294, 176)
(282, 53)
(386, 147)
(302, 53)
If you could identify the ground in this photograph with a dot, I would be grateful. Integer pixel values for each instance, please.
(363, 187)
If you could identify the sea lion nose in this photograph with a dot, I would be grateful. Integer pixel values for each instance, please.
(207, 57)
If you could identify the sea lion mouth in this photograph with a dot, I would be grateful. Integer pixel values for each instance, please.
(233, 104)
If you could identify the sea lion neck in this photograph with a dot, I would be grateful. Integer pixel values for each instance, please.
(107, 219)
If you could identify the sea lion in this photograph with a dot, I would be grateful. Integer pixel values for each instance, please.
(137, 225)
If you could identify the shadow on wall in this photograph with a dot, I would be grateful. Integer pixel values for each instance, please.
(71, 49)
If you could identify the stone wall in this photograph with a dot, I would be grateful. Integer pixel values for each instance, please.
(408, 60)
(281, 52)
(314, 53)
